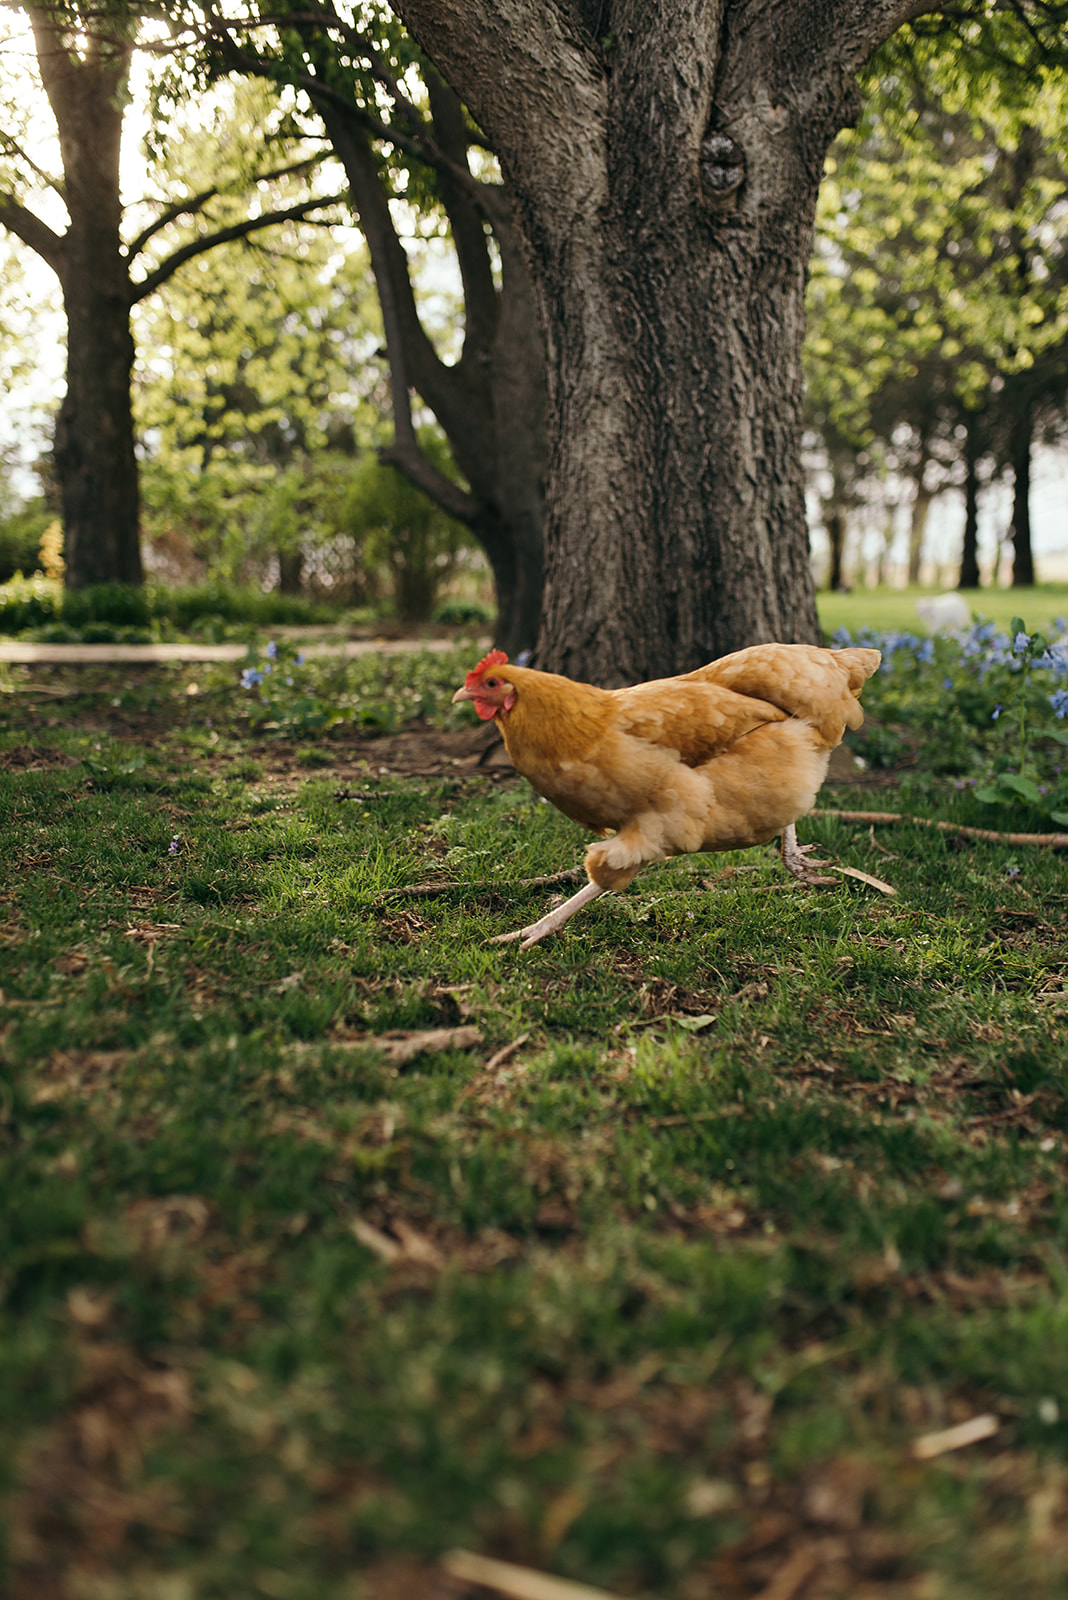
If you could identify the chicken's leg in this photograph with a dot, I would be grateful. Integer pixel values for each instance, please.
(553, 919)
(793, 860)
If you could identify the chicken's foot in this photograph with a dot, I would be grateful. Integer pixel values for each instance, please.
(794, 862)
(553, 920)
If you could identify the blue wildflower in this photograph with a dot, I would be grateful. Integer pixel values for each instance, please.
(1012, 872)
(271, 650)
(947, 683)
(996, 713)
(841, 639)
(172, 848)
(1055, 660)
(300, 658)
(1059, 701)
(251, 677)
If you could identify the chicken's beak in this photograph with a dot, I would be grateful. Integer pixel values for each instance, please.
(462, 694)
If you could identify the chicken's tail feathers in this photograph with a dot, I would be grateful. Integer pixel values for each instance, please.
(805, 681)
(859, 665)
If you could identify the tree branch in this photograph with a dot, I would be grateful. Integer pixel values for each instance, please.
(240, 230)
(421, 146)
(467, 221)
(12, 147)
(17, 219)
(419, 470)
(194, 204)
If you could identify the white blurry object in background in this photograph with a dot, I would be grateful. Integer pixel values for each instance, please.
(944, 613)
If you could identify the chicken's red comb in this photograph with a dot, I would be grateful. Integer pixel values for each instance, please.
(496, 658)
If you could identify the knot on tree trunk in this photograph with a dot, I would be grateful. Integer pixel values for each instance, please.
(721, 165)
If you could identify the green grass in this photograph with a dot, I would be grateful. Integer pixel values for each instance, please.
(885, 609)
(773, 1186)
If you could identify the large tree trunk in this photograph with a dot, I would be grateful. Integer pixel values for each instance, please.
(1023, 563)
(664, 163)
(94, 444)
(94, 447)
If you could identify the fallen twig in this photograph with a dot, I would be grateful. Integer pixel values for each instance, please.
(965, 1433)
(426, 891)
(1051, 841)
(518, 1583)
(502, 1055)
(402, 1045)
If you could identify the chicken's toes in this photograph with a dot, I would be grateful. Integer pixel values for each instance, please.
(796, 863)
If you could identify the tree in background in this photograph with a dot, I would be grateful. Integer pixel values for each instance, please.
(260, 395)
(258, 380)
(405, 532)
(939, 294)
(416, 164)
(83, 56)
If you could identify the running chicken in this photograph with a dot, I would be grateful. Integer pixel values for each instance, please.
(717, 759)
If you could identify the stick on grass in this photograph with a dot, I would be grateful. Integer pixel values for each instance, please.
(1049, 841)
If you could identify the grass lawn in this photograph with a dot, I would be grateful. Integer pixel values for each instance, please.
(654, 1278)
(884, 609)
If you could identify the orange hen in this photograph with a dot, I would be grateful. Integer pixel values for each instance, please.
(718, 759)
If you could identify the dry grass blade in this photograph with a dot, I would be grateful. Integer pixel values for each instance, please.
(965, 1433)
(866, 877)
(517, 1583)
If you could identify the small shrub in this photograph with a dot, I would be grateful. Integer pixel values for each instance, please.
(117, 605)
(455, 613)
(28, 603)
(216, 605)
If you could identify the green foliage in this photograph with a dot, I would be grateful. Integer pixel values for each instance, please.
(118, 603)
(20, 538)
(938, 301)
(989, 706)
(260, 378)
(404, 532)
(28, 603)
(291, 695)
(199, 607)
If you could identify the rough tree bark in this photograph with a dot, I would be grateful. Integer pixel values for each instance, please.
(664, 164)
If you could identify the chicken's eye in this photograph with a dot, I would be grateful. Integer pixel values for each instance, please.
(493, 683)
